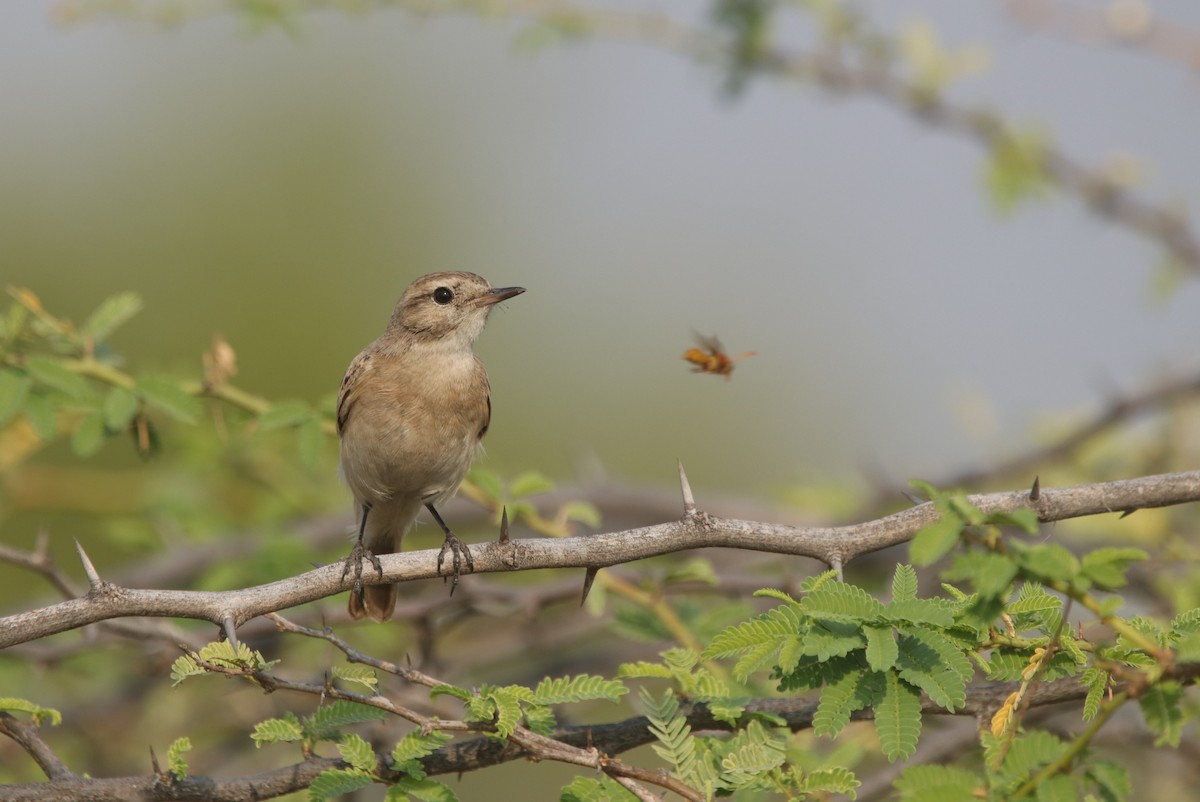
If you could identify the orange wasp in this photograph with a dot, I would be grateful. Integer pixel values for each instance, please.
(710, 357)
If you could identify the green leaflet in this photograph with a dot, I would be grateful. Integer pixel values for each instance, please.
(898, 718)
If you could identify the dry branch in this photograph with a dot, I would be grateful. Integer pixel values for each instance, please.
(587, 742)
(831, 545)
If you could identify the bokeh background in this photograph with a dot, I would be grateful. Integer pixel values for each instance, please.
(282, 186)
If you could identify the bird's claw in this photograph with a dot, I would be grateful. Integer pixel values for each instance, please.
(459, 551)
(354, 562)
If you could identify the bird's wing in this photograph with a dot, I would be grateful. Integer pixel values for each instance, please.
(348, 393)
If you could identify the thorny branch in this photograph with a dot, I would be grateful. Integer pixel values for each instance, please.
(592, 746)
(835, 546)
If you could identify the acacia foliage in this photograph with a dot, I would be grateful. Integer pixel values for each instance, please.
(1012, 606)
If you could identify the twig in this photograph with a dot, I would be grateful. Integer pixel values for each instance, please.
(828, 544)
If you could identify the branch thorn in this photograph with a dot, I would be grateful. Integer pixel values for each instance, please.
(913, 498)
(504, 524)
(1035, 492)
(836, 564)
(689, 501)
(93, 576)
(1129, 512)
(588, 579)
(230, 630)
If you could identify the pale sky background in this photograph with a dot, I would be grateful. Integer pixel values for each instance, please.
(284, 190)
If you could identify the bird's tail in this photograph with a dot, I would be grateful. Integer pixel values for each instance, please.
(386, 526)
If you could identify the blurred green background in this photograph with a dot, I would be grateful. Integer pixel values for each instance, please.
(283, 188)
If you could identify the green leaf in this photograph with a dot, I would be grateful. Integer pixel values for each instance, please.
(422, 789)
(841, 602)
(950, 653)
(1161, 709)
(15, 704)
(838, 700)
(1016, 170)
(904, 583)
(776, 594)
(310, 442)
(644, 670)
(990, 573)
(14, 389)
(920, 665)
(935, 540)
(584, 512)
(881, 647)
(461, 694)
(357, 752)
(1106, 567)
(587, 789)
(1023, 756)
(412, 747)
(920, 611)
(1057, 789)
(1097, 683)
(327, 720)
(168, 396)
(832, 780)
(898, 718)
(669, 726)
(487, 481)
(540, 719)
(530, 483)
(931, 783)
(178, 766)
(184, 667)
(111, 315)
(285, 413)
(1111, 779)
(54, 373)
(88, 435)
(578, 689)
(120, 406)
(770, 628)
(832, 639)
(42, 416)
(1023, 518)
(361, 675)
(333, 783)
(277, 730)
(1187, 649)
(1033, 598)
(508, 711)
(1046, 561)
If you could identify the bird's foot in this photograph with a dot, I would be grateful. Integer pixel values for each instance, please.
(460, 552)
(354, 563)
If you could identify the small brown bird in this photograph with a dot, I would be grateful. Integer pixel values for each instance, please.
(412, 410)
(710, 357)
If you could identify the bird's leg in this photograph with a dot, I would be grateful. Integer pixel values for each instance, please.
(455, 546)
(359, 553)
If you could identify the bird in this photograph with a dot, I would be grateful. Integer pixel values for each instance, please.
(412, 410)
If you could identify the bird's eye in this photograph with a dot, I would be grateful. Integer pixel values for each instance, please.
(443, 295)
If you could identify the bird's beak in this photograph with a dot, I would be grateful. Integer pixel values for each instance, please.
(497, 294)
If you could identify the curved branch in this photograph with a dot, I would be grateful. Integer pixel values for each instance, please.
(600, 741)
(831, 545)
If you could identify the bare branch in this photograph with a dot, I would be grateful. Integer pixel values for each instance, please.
(29, 739)
(831, 545)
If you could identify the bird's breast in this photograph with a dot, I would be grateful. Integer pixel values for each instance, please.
(415, 428)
